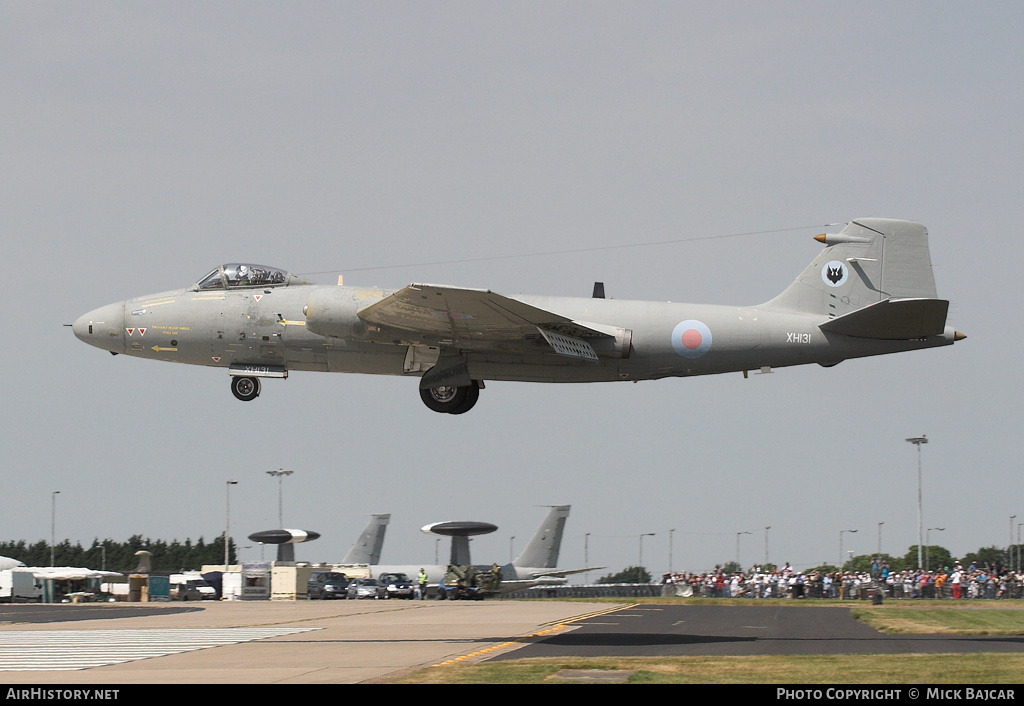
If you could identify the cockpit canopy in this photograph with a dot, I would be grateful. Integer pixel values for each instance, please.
(235, 275)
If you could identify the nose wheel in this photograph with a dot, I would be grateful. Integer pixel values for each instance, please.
(245, 388)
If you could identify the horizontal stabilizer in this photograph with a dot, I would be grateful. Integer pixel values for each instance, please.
(893, 320)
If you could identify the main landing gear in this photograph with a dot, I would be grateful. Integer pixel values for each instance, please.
(245, 388)
(451, 399)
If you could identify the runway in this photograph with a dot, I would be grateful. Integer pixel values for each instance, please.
(689, 630)
(345, 642)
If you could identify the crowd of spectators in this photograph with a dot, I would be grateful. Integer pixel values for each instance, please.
(955, 583)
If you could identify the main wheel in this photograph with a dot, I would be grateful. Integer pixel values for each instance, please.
(450, 399)
(245, 388)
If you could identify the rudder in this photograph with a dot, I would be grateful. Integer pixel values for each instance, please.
(542, 551)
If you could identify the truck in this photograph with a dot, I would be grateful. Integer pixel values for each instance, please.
(19, 586)
(468, 583)
(191, 586)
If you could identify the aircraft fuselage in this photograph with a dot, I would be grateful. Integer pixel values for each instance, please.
(268, 329)
(870, 291)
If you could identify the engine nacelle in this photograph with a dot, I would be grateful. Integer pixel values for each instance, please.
(332, 313)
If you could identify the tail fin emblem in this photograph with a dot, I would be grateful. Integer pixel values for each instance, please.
(834, 273)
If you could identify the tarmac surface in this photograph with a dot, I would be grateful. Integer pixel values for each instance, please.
(261, 642)
(347, 642)
(647, 630)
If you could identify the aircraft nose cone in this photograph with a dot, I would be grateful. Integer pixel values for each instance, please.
(103, 327)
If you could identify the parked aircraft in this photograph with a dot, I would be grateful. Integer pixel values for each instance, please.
(367, 547)
(869, 292)
(8, 563)
(535, 565)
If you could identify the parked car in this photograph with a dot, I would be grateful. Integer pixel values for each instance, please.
(326, 584)
(362, 588)
(394, 586)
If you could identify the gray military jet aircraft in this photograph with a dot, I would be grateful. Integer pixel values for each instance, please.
(536, 565)
(869, 292)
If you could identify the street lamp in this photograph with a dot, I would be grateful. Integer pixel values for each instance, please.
(766, 546)
(53, 522)
(641, 561)
(928, 541)
(1009, 551)
(738, 565)
(880, 540)
(670, 550)
(918, 441)
(279, 474)
(841, 547)
(510, 540)
(586, 557)
(227, 520)
(1019, 545)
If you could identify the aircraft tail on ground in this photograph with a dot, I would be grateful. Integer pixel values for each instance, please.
(542, 551)
(367, 548)
(873, 280)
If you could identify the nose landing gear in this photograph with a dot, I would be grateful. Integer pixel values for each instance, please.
(245, 388)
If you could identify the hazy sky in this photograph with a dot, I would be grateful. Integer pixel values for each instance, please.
(142, 144)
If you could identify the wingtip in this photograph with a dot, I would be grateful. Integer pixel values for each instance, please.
(957, 336)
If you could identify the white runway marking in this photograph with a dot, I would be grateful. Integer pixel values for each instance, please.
(61, 650)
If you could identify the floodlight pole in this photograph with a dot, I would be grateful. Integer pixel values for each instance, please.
(279, 474)
(53, 523)
(917, 441)
(227, 520)
(766, 546)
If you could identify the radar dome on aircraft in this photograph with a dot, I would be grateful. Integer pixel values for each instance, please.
(284, 536)
(460, 532)
(285, 539)
(459, 529)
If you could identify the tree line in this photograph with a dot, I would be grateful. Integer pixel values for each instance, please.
(120, 556)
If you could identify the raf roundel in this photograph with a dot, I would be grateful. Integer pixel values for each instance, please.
(691, 338)
(834, 273)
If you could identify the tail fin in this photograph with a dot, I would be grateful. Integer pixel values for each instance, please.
(869, 261)
(367, 548)
(542, 551)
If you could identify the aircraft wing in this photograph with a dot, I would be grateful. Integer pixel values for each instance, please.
(479, 318)
(562, 573)
(512, 585)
